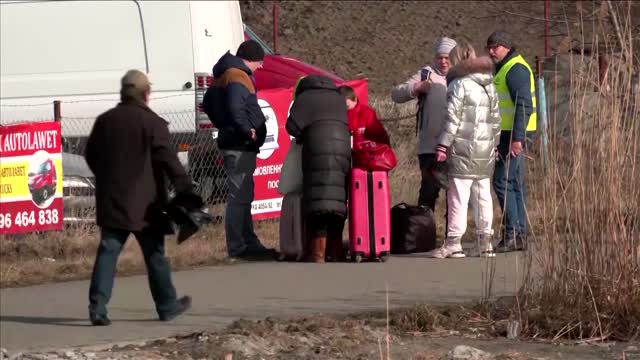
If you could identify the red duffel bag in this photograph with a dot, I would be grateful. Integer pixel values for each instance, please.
(372, 156)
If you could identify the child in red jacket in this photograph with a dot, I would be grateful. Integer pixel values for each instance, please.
(363, 121)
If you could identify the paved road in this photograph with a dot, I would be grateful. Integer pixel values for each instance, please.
(55, 315)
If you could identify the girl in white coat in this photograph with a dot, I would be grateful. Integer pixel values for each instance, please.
(468, 144)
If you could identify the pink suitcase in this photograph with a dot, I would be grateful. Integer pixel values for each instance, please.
(369, 215)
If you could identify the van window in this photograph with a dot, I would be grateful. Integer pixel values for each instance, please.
(67, 44)
(253, 36)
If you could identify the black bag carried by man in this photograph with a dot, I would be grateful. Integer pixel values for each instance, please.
(185, 215)
(413, 229)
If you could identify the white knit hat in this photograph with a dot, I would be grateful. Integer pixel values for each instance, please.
(444, 45)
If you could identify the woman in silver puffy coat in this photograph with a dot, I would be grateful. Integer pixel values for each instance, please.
(468, 144)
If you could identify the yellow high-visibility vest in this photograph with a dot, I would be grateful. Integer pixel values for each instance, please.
(506, 104)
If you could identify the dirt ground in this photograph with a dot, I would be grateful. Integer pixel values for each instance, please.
(416, 333)
(389, 41)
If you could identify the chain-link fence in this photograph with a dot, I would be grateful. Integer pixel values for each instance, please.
(197, 151)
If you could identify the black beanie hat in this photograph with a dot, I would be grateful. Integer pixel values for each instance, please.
(250, 50)
(500, 38)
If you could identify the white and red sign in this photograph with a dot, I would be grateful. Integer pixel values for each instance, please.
(275, 104)
(30, 178)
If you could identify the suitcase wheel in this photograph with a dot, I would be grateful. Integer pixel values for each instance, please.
(357, 258)
(383, 257)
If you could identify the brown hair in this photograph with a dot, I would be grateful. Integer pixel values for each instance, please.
(461, 52)
(348, 92)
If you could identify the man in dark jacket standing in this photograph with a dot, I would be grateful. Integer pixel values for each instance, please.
(318, 119)
(515, 84)
(232, 105)
(129, 153)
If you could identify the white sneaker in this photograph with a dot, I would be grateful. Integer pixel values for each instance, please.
(484, 249)
(486, 253)
(447, 251)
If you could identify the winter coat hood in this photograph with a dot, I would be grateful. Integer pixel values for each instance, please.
(318, 120)
(479, 69)
(228, 61)
(315, 82)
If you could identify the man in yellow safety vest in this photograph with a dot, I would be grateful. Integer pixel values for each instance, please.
(515, 84)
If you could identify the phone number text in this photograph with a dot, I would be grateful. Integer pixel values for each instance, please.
(29, 218)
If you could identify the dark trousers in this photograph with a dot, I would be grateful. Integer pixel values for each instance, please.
(429, 188)
(511, 191)
(325, 225)
(158, 270)
(238, 222)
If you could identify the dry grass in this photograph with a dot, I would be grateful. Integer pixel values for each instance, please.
(69, 255)
(583, 279)
(586, 284)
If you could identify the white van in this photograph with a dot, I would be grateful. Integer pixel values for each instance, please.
(77, 51)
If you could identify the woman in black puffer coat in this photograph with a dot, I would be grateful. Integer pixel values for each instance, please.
(318, 120)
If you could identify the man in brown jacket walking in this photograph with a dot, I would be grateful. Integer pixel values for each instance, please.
(129, 153)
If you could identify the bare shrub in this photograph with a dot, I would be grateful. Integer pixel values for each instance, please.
(585, 279)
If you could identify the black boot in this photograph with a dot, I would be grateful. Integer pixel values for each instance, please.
(99, 320)
(510, 245)
(183, 304)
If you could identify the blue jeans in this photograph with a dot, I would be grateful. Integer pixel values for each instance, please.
(238, 223)
(158, 270)
(509, 184)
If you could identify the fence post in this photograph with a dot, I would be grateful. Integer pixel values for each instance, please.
(57, 115)
(603, 64)
(275, 27)
(547, 48)
(538, 67)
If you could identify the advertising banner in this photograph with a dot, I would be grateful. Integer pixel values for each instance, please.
(30, 178)
(275, 104)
